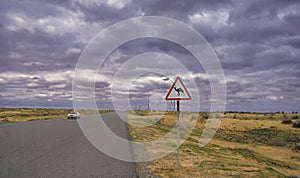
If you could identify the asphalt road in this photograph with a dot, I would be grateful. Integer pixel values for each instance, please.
(57, 148)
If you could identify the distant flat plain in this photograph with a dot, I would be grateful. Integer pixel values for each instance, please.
(246, 144)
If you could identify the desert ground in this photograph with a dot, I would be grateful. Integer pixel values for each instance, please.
(245, 145)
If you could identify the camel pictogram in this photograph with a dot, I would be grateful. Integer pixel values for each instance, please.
(178, 90)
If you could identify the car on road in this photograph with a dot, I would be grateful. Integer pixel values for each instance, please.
(74, 115)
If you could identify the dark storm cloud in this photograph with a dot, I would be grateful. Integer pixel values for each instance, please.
(33, 8)
(138, 46)
(42, 51)
(178, 9)
(105, 13)
(263, 30)
(257, 42)
(34, 46)
(263, 20)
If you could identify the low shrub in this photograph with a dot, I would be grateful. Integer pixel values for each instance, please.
(297, 147)
(295, 117)
(296, 125)
(286, 121)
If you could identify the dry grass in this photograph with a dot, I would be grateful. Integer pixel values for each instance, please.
(246, 145)
(8, 115)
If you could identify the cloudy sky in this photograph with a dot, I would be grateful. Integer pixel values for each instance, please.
(257, 43)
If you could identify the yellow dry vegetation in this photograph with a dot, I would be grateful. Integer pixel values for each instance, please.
(246, 145)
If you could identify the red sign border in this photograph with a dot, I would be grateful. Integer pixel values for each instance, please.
(170, 90)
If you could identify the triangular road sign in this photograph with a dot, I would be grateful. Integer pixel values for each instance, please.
(178, 91)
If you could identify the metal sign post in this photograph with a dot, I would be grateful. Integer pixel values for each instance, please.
(178, 92)
(178, 136)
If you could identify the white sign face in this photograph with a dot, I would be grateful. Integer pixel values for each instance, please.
(178, 91)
